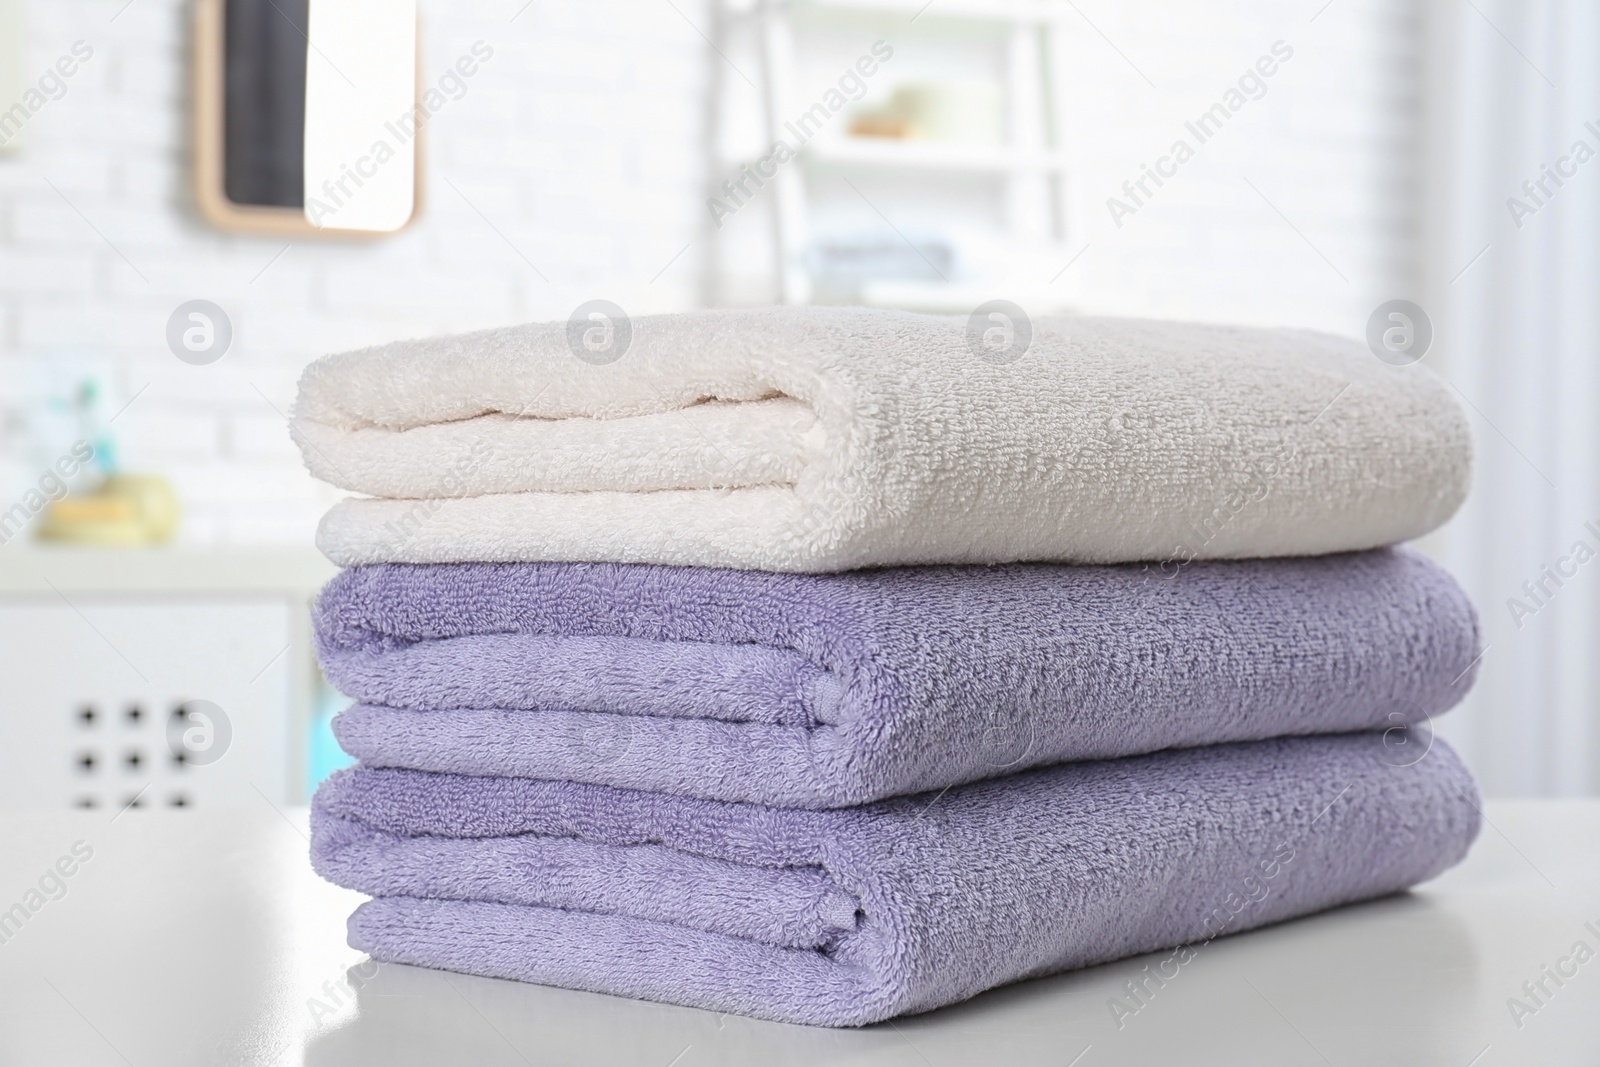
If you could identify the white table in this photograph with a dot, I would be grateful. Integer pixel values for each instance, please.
(202, 937)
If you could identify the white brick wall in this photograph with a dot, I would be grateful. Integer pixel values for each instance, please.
(1330, 145)
(579, 140)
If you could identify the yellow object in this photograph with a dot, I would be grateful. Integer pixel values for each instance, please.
(73, 511)
(127, 510)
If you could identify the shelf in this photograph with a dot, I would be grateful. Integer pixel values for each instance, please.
(1001, 11)
(929, 155)
(960, 298)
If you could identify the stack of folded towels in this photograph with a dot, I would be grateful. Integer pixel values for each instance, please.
(803, 664)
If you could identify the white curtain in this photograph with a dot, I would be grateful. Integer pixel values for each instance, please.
(1511, 87)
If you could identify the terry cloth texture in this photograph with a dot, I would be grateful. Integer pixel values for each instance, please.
(830, 690)
(824, 439)
(854, 915)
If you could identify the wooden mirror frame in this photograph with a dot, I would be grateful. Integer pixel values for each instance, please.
(209, 177)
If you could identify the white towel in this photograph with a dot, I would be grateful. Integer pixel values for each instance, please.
(822, 439)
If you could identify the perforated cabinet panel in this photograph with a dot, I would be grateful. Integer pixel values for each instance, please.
(175, 702)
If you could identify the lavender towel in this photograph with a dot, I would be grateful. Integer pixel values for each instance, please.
(829, 690)
(854, 915)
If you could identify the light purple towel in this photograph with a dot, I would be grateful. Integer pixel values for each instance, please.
(829, 690)
(848, 916)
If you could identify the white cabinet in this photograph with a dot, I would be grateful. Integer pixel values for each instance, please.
(164, 679)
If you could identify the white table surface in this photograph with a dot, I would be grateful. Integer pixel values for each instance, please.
(203, 937)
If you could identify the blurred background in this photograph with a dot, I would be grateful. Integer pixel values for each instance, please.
(1257, 161)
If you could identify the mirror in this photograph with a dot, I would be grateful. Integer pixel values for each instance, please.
(305, 116)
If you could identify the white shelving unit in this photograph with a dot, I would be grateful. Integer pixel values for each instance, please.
(1016, 189)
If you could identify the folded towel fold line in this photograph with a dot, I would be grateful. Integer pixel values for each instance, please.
(619, 675)
(796, 906)
(767, 442)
